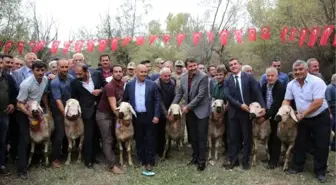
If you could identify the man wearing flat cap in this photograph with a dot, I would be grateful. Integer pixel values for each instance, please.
(130, 72)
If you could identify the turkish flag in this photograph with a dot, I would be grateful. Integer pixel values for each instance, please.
(179, 38)
(54, 46)
(238, 35)
(196, 37)
(32, 45)
(20, 47)
(210, 37)
(90, 45)
(303, 35)
(327, 31)
(66, 46)
(140, 40)
(8, 45)
(314, 33)
(223, 35)
(152, 38)
(292, 34)
(102, 45)
(79, 45)
(40, 45)
(126, 41)
(283, 34)
(252, 36)
(265, 33)
(114, 44)
(166, 38)
(334, 42)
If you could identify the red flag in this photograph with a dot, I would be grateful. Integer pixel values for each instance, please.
(252, 36)
(303, 34)
(327, 31)
(152, 38)
(238, 35)
(265, 33)
(283, 34)
(315, 31)
(79, 45)
(223, 35)
(140, 40)
(166, 38)
(54, 46)
(114, 44)
(102, 45)
(210, 37)
(32, 45)
(8, 45)
(90, 45)
(126, 40)
(40, 45)
(66, 46)
(334, 42)
(197, 38)
(20, 47)
(179, 38)
(292, 34)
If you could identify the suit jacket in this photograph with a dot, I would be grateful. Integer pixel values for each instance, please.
(19, 75)
(151, 95)
(166, 97)
(251, 93)
(87, 101)
(278, 93)
(198, 94)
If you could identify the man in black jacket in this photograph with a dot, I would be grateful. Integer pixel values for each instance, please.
(87, 88)
(273, 93)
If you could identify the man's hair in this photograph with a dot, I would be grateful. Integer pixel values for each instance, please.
(234, 58)
(211, 65)
(333, 79)
(165, 70)
(272, 69)
(309, 61)
(221, 69)
(38, 64)
(145, 62)
(116, 65)
(299, 62)
(51, 63)
(104, 55)
(245, 67)
(189, 60)
(62, 59)
(6, 56)
(78, 54)
(83, 66)
(276, 59)
(26, 56)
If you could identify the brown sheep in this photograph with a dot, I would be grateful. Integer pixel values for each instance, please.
(124, 130)
(41, 127)
(261, 129)
(216, 126)
(174, 129)
(74, 127)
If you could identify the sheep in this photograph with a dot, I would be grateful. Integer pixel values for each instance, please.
(216, 126)
(174, 128)
(287, 130)
(41, 127)
(261, 129)
(124, 130)
(74, 127)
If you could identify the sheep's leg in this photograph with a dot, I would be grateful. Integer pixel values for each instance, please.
(178, 144)
(32, 150)
(210, 147)
(217, 145)
(129, 152)
(267, 150)
(69, 151)
(254, 159)
(46, 147)
(164, 156)
(287, 157)
(80, 147)
(120, 152)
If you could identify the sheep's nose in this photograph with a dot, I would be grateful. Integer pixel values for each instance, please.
(253, 115)
(176, 116)
(277, 118)
(218, 109)
(35, 113)
(121, 115)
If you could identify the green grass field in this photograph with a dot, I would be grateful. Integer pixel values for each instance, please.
(171, 171)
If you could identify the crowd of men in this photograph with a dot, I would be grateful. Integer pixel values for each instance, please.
(150, 92)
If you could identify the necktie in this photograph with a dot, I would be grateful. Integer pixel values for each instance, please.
(269, 97)
(238, 92)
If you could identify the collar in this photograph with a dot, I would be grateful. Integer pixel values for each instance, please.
(138, 82)
(307, 79)
(90, 79)
(119, 84)
(239, 75)
(28, 70)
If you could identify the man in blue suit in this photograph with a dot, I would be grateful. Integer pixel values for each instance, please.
(143, 95)
(241, 89)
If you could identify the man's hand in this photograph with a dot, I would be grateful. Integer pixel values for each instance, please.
(10, 109)
(96, 92)
(155, 120)
(262, 112)
(245, 108)
(185, 109)
(299, 116)
(51, 76)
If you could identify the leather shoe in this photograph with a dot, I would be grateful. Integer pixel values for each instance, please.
(292, 171)
(230, 165)
(271, 166)
(321, 178)
(201, 167)
(23, 175)
(95, 161)
(193, 161)
(246, 166)
(90, 166)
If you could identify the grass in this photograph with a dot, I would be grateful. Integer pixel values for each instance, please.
(172, 171)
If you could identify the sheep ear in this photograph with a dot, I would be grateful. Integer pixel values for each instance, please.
(66, 108)
(79, 109)
(292, 114)
(133, 112)
(118, 108)
(180, 112)
(213, 104)
(40, 109)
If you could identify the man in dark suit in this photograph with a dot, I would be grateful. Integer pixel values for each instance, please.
(87, 88)
(241, 89)
(142, 94)
(273, 93)
(194, 89)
